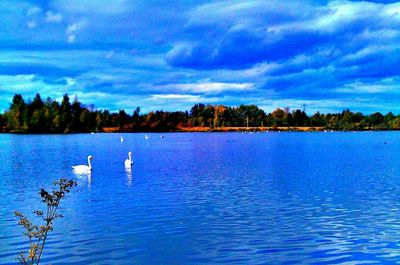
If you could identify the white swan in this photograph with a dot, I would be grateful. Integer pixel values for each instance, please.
(146, 137)
(129, 162)
(122, 139)
(82, 169)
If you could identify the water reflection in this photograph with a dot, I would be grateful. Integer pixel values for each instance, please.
(128, 172)
(86, 176)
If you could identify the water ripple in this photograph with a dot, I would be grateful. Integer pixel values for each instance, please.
(298, 198)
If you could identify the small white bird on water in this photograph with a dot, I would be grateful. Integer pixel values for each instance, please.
(122, 139)
(146, 137)
(129, 162)
(83, 169)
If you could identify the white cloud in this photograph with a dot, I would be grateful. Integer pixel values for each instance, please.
(72, 30)
(71, 38)
(176, 96)
(25, 84)
(31, 24)
(33, 14)
(33, 11)
(339, 14)
(259, 69)
(74, 27)
(249, 12)
(52, 17)
(209, 87)
(381, 87)
(70, 81)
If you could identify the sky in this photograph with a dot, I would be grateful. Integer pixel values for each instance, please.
(169, 55)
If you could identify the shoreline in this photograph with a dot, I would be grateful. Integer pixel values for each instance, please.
(209, 129)
(242, 129)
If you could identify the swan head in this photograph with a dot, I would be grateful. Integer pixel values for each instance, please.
(90, 157)
(130, 153)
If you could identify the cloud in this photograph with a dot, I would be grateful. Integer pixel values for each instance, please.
(71, 38)
(52, 17)
(225, 52)
(253, 12)
(242, 48)
(31, 24)
(312, 51)
(36, 69)
(245, 35)
(208, 87)
(72, 30)
(190, 98)
(33, 11)
(102, 7)
(381, 87)
(28, 85)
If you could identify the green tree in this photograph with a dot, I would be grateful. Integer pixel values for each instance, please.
(136, 117)
(2, 123)
(15, 116)
(376, 119)
(388, 120)
(84, 119)
(278, 115)
(65, 114)
(76, 124)
(123, 119)
(37, 122)
(317, 120)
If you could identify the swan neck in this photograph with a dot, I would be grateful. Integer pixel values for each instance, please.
(90, 165)
(130, 157)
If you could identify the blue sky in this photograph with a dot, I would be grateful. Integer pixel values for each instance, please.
(169, 55)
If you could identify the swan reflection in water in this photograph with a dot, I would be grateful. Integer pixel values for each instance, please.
(129, 176)
(85, 177)
(84, 171)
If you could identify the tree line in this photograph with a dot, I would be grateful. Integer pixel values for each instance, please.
(50, 116)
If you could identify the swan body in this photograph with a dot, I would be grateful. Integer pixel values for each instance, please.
(81, 169)
(129, 162)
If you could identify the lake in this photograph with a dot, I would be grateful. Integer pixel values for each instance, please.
(207, 198)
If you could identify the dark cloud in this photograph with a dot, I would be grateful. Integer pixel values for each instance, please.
(342, 27)
(45, 70)
(52, 81)
(243, 48)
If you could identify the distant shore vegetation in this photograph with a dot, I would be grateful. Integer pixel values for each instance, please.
(50, 116)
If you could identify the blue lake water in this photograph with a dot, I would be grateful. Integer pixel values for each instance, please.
(201, 198)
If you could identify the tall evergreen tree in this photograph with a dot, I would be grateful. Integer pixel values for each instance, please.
(65, 114)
